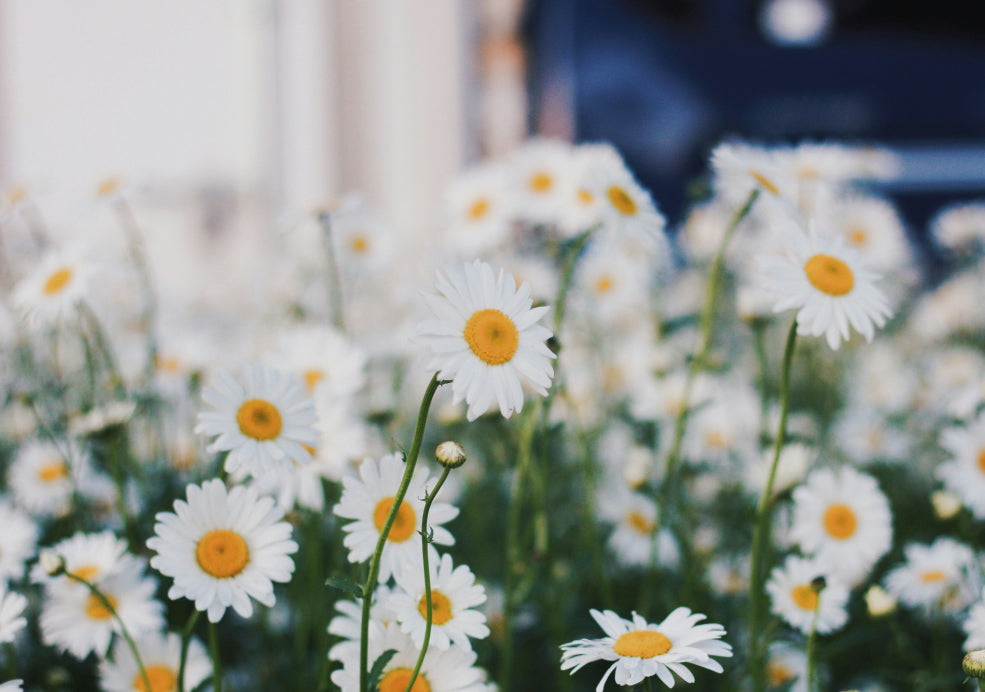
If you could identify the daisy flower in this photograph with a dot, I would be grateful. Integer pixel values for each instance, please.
(872, 227)
(639, 649)
(91, 557)
(964, 473)
(539, 173)
(264, 422)
(454, 594)
(347, 624)
(477, 209)
(76, 620)
(222, 548)
(363, 239)
(739, 169)
(12, 686)
(635, 517)
(786, 668)
(367, 499)
(17, 541)
(323, 359)
(794, 598)
(54, 289)
(485, 336)
(934, 576)
(161, 655)
(42, 479)
(974, 627)
(842, 518)
(827, 284)
(961, 227)
(12, 618)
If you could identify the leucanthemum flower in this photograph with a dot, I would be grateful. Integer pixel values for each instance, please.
(934, 576)
(323, 359)
(786, 668)
(539, 180)
(794, 598)
(454, 594)
(17, 541)
(264, 422)
(12, 618)
(54, 289)
(161, 655)
(89, 556)
(368, 497)
(477, 209)
(635, 518)
(223, 547)
(842, 518)
(347, 624)
(43, 480)
(974, 627)
(827, 284)
(485, 336)
(639, 649)
(626, 209)
(964, 473)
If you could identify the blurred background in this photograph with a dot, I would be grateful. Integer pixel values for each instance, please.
(228, 113)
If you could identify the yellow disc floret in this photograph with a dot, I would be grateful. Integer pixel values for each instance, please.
(161, 679)
(621, 200)
(57, 281)
(478, 209)
(492, 336)
(642, 644)
(840, 521)
(805, 597)
(440, 608)
(541, 182)
(829, 275)
(222, 553)
(404, 524)
(97, 610)
(396, 681)
(259, 419)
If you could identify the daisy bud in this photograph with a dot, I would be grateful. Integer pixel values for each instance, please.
(450, 454)
(946, 504)
(879, 602)
(974, 663)
(51, 562)
(818, 584)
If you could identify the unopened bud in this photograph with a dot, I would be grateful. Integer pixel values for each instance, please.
(51, 562)
(818, 584)
(879, 602)
(450, 454)
(974, 663)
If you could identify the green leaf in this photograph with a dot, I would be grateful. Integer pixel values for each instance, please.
(344, 585)
(378, 665)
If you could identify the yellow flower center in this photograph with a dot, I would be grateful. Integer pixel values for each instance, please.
(642, 644)
(932, 576)
(541, 182)
(86, 573)
(108, 187)
(604, 284)
(167, 363)
(778, 674)
(639, 523)
(404, 524)
(829, 275)
(18, 194)
(981, 461)
(478, 209)
(161, 679)
(858, 237)
(840, 521)
(57, 281)
(716, 439)
(585, 197)
(805, 597)
(492, 336)
(222, 553)
(312, 378)
(764, 182)
(621, 200)
(359, 244)
(97, 610)
(53, 471)
(259, 419)
(396, 681)
(440, 608)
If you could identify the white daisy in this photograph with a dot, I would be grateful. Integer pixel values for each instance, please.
(964, 473)
(477, 209)
(582, 207)
(960, 228)
(42, 479)
(740, 169)
(867, 435)
(323, 358)
(795, 459)
(12, 618)
(54, 289)
(92, 557)
(367, 499)
(12, 686)
(485, 336)
(842, 518)
(640, 649)
(786, 668)
(222, 548)
(263, 422)
(363, 239)
(727, 427)
(161, 655)
(827, 284)
(872, 227)
(17, 541)
(347, 624)
(539, 172)
(934, 576)
(794, 598)
(76, 620)
(635, 518)
(974, 627)
(454, 594)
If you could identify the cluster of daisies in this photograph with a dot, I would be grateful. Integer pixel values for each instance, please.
(765, 415)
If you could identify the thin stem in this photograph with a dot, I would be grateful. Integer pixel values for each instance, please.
(99, 336)
(760, 537)
(186, 637)
(332, 271)
(216, 662)
(138, 255)
(398, 498)
(812, 656)
(425, 541)
(111, 609)
(567, 274)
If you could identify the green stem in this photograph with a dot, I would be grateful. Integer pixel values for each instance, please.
(99, 336)
(567, 274)
(812, 653)
(216, 662)
(186, 636)
(332, 271)
(138, 255)
(398, 498)
(108, 605)
(760, 537)
(425, 541)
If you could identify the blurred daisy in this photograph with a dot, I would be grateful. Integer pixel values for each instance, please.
(842, 518)
(960, 228)
(367, 499)
(347, 623)
(786, 668)
(477, 210)
(934, 576)
(12, 618)
(323, 358)
(54, 289)
(263, 422)
(485, 337)
(161, 655)
(635, 518)
(17, 541)
(363, 239)
(964, 473)
(626, 209)
(610, 285)
(794, 598)
(89, 556)
(795, 459)
(222, 548)
(12, 686)
(727, 428)
(454, 595)
(42, 479)
(76, 620)
(827, 284)
(639, 649)
(871, 227)
(740, 169)
(974, 627)
(866, 435)
(539, 172)
(582, 208)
